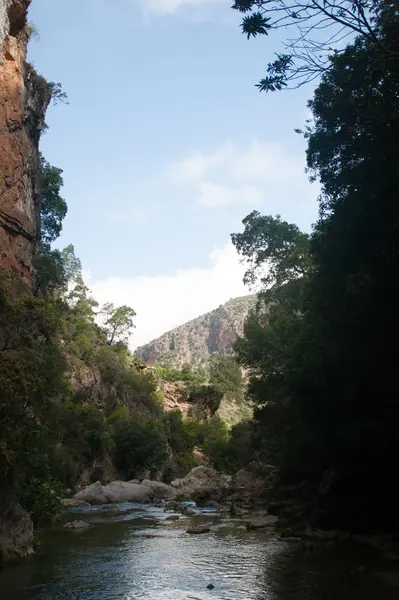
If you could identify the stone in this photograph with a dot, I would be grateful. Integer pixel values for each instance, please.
(213, 504)
(160, 490)
(73, 503)
(259, 523)
(202, 483)
(189, 512)
(123, 491)
(172, 518)
(92, 494)
(252, 481)
(76, 525)
(16, 530)
(198, 529)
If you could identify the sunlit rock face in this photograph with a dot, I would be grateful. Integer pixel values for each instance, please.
(24, 97)
(196, 341)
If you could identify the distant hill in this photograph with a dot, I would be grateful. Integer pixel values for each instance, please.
(196, 341)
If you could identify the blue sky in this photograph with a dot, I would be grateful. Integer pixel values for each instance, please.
(166, 145)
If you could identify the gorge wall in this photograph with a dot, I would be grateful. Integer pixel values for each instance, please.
(24, 97)
(196, 341)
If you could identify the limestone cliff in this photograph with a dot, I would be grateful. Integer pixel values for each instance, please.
(24, 97)
(197, 340)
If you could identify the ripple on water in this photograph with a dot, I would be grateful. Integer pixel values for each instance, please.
(141, 557)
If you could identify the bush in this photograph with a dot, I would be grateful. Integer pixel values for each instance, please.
(215, 438)
(83, 431)
(138, 446)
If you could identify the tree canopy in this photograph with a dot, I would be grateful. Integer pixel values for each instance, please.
(315, 31)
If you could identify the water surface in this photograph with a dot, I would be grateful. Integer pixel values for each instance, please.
(135, 554)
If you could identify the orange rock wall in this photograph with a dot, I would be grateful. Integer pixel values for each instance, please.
(24, 97)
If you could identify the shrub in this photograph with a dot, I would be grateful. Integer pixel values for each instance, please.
(138, 446)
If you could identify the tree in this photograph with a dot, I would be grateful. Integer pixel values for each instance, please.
(53, 207)
(48, 263)
(344, 387)
(72, 264)
(117, 322)
(226, 377)
(138, 446)
(50, 273)
(275, 251)
(322, 368)
(320, 29)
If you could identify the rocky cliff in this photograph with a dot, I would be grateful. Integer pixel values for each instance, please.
(24, 97)
(194, 343)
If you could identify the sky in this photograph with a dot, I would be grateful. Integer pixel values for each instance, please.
(166, 145)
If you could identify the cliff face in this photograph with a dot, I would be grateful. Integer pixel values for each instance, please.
(194, 342)
(24, 97)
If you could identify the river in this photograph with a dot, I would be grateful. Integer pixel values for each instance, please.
(134, 554)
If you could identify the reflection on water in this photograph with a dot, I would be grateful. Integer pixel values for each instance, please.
(134, 554)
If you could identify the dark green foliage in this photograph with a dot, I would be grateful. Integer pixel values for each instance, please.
(48, 263)
(276, 251)
(181, 434)
(205, 396)
(226, 377)
(138, 445)
(31, 380)
(82, 430)
(53, 207)
(49, 271)
(214, 438)
(322, 361)
(186, 374)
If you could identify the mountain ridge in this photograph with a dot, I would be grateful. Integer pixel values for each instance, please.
(197, 340)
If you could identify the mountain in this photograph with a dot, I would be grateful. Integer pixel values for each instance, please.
(196, 341)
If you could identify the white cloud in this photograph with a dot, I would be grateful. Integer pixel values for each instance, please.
(170, 6)
(253, 175)
(214, 195)
(162, 303)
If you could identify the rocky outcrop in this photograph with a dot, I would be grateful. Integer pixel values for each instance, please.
(161, 491)
(16, 530)
(202, 483)
(73, 503)
(24, 97)
(117, 491)
(175, 396)
(196, 341)
(121, 491)
(253, 481)
(92, 494)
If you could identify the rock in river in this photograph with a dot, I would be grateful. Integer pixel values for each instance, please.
(92, 494)
(122, 491)
(160, 490)
(73, 503)
(261, 522)
(199, 529)
(76, 525)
